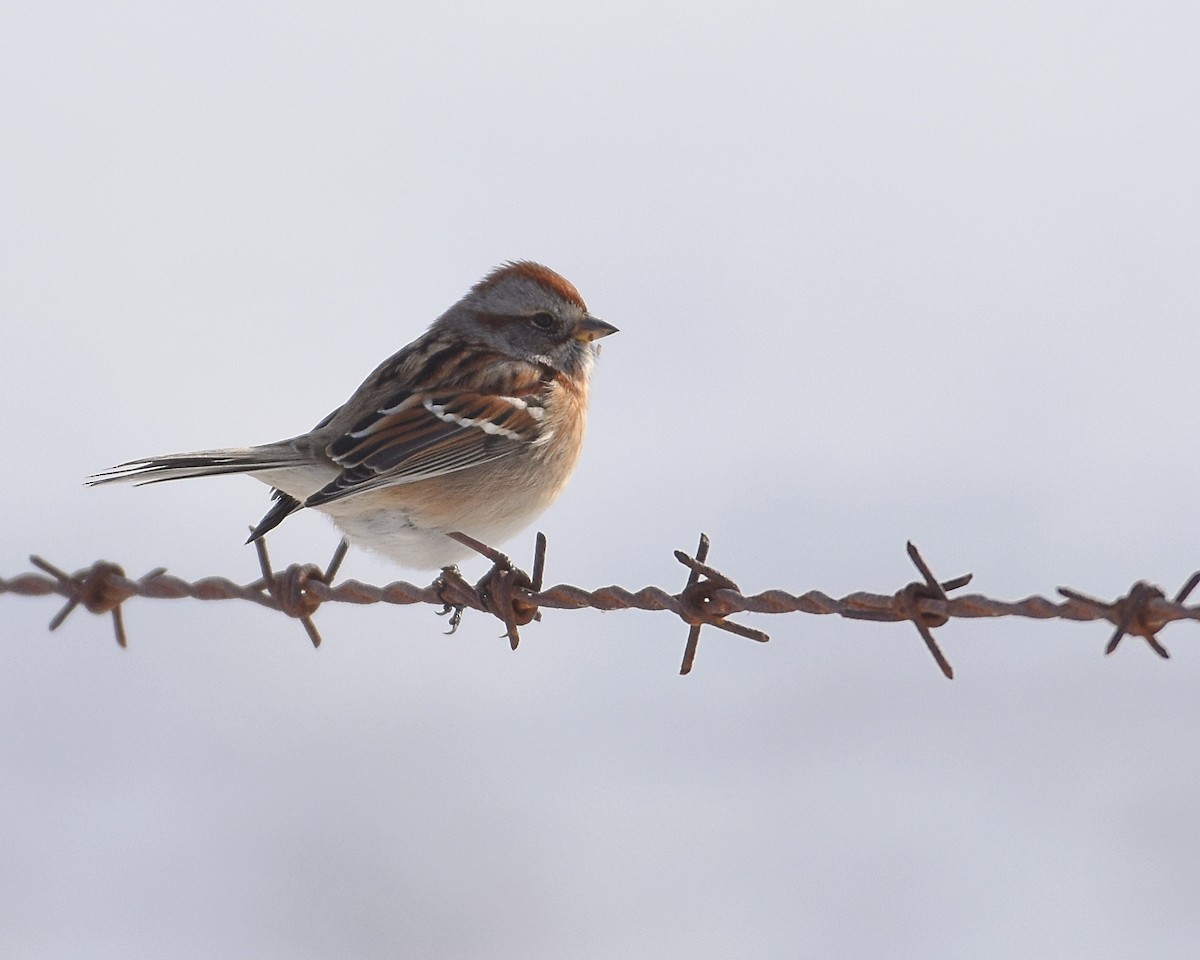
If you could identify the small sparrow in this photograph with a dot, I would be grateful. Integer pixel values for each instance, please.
(474, 427)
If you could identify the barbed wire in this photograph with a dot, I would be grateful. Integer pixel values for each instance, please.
(708, 598)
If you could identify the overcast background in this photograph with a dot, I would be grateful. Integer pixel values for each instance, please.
(882, 271)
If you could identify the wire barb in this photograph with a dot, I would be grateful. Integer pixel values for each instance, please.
(505, 590)
(1134, 614)
(290, 589)
(924, 619)
(701, 603)
(101, 588)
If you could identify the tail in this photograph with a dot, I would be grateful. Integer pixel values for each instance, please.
(201, 463)
(213, 463)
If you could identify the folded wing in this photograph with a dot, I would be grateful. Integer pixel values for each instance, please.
(417, 436)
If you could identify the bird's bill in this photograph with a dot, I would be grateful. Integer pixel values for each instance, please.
(591, 328)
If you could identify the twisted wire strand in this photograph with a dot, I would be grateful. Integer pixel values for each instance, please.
(708, 598)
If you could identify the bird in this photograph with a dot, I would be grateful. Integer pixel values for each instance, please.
(475, 427)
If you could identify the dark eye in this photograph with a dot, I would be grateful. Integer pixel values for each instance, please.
(543, 321)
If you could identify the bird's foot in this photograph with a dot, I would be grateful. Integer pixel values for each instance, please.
(446, 583)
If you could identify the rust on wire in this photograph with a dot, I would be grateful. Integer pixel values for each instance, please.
(290, 588)
(1136, 613)
(505, 590)
(708, 599)
(101, 588)
(702, 603)
(926, 620)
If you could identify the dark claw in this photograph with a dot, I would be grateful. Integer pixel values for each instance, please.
(456, 615)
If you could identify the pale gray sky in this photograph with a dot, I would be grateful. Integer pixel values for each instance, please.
(882, 271)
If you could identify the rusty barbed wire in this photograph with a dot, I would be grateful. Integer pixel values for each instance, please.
(708, 598)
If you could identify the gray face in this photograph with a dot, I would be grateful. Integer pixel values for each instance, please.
(523, 317)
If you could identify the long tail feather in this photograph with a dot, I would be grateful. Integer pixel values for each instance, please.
(201, 463)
